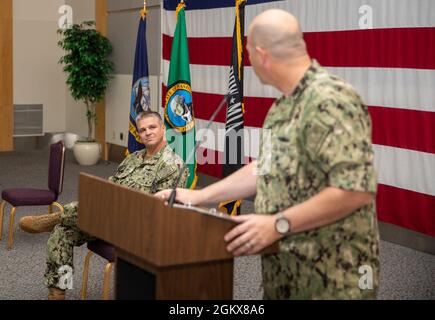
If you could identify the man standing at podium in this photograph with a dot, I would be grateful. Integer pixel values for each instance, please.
(153, 169)
(315, 186)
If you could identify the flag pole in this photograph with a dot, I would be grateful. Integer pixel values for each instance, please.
(143, 12)
(235, 119)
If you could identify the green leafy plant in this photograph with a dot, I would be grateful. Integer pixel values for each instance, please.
(87, 66)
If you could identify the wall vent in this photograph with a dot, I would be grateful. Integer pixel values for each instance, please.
(28, 120)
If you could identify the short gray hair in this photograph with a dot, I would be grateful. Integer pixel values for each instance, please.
(149, 113)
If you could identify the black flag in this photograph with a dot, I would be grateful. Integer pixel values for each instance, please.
(234, 148)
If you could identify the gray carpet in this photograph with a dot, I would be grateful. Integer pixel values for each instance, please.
(405, 273)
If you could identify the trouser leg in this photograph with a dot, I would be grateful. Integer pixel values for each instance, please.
(60, 248)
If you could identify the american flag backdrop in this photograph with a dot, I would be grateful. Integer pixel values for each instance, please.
(384, 48)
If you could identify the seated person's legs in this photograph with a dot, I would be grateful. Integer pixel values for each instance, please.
(60, 248)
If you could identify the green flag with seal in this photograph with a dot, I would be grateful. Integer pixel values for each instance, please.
(179, 117)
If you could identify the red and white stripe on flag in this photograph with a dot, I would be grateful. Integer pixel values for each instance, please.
(392, 66)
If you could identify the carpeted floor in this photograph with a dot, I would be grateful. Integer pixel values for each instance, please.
(405, 273)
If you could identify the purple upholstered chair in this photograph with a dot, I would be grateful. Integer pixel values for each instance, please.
(19, 197)
(106, 251)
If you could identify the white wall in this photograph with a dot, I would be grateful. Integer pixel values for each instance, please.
(38, 78)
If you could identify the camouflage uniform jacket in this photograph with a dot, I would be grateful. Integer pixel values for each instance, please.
(320, 137)
(152, 174)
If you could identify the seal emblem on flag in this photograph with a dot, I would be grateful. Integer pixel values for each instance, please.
(140, 97)
(178, 109)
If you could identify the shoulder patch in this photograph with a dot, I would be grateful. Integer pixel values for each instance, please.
(170, 157)
(166, 171)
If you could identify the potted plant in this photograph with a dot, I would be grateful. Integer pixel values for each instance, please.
(89, 71)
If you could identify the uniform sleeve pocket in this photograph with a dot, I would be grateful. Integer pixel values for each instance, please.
(165, 172)
(123, 171)
(315, 134)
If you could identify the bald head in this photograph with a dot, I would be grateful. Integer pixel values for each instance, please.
(277, 31)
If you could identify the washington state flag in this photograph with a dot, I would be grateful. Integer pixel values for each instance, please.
(178, 113)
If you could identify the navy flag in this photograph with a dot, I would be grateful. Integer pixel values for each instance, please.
(234, 149)
(140, 94)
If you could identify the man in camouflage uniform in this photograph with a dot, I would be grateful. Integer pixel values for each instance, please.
(150, 170)
(314, 179)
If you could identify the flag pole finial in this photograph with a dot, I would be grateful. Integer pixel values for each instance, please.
(181, 5)
(143, 12)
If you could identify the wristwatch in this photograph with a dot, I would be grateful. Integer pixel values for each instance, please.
(282, 224)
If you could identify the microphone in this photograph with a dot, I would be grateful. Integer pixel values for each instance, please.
(173, 194)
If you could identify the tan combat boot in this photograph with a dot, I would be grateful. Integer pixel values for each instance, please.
(37, 224)
(56, 294)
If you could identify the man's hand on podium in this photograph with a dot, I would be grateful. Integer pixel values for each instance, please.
(253, 233)
(185, 196)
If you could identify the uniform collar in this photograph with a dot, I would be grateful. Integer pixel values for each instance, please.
(304, 82)
(155, 156)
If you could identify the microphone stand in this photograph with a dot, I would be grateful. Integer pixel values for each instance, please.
(173, 194)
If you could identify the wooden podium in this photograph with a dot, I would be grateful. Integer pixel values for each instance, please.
(162, 252)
